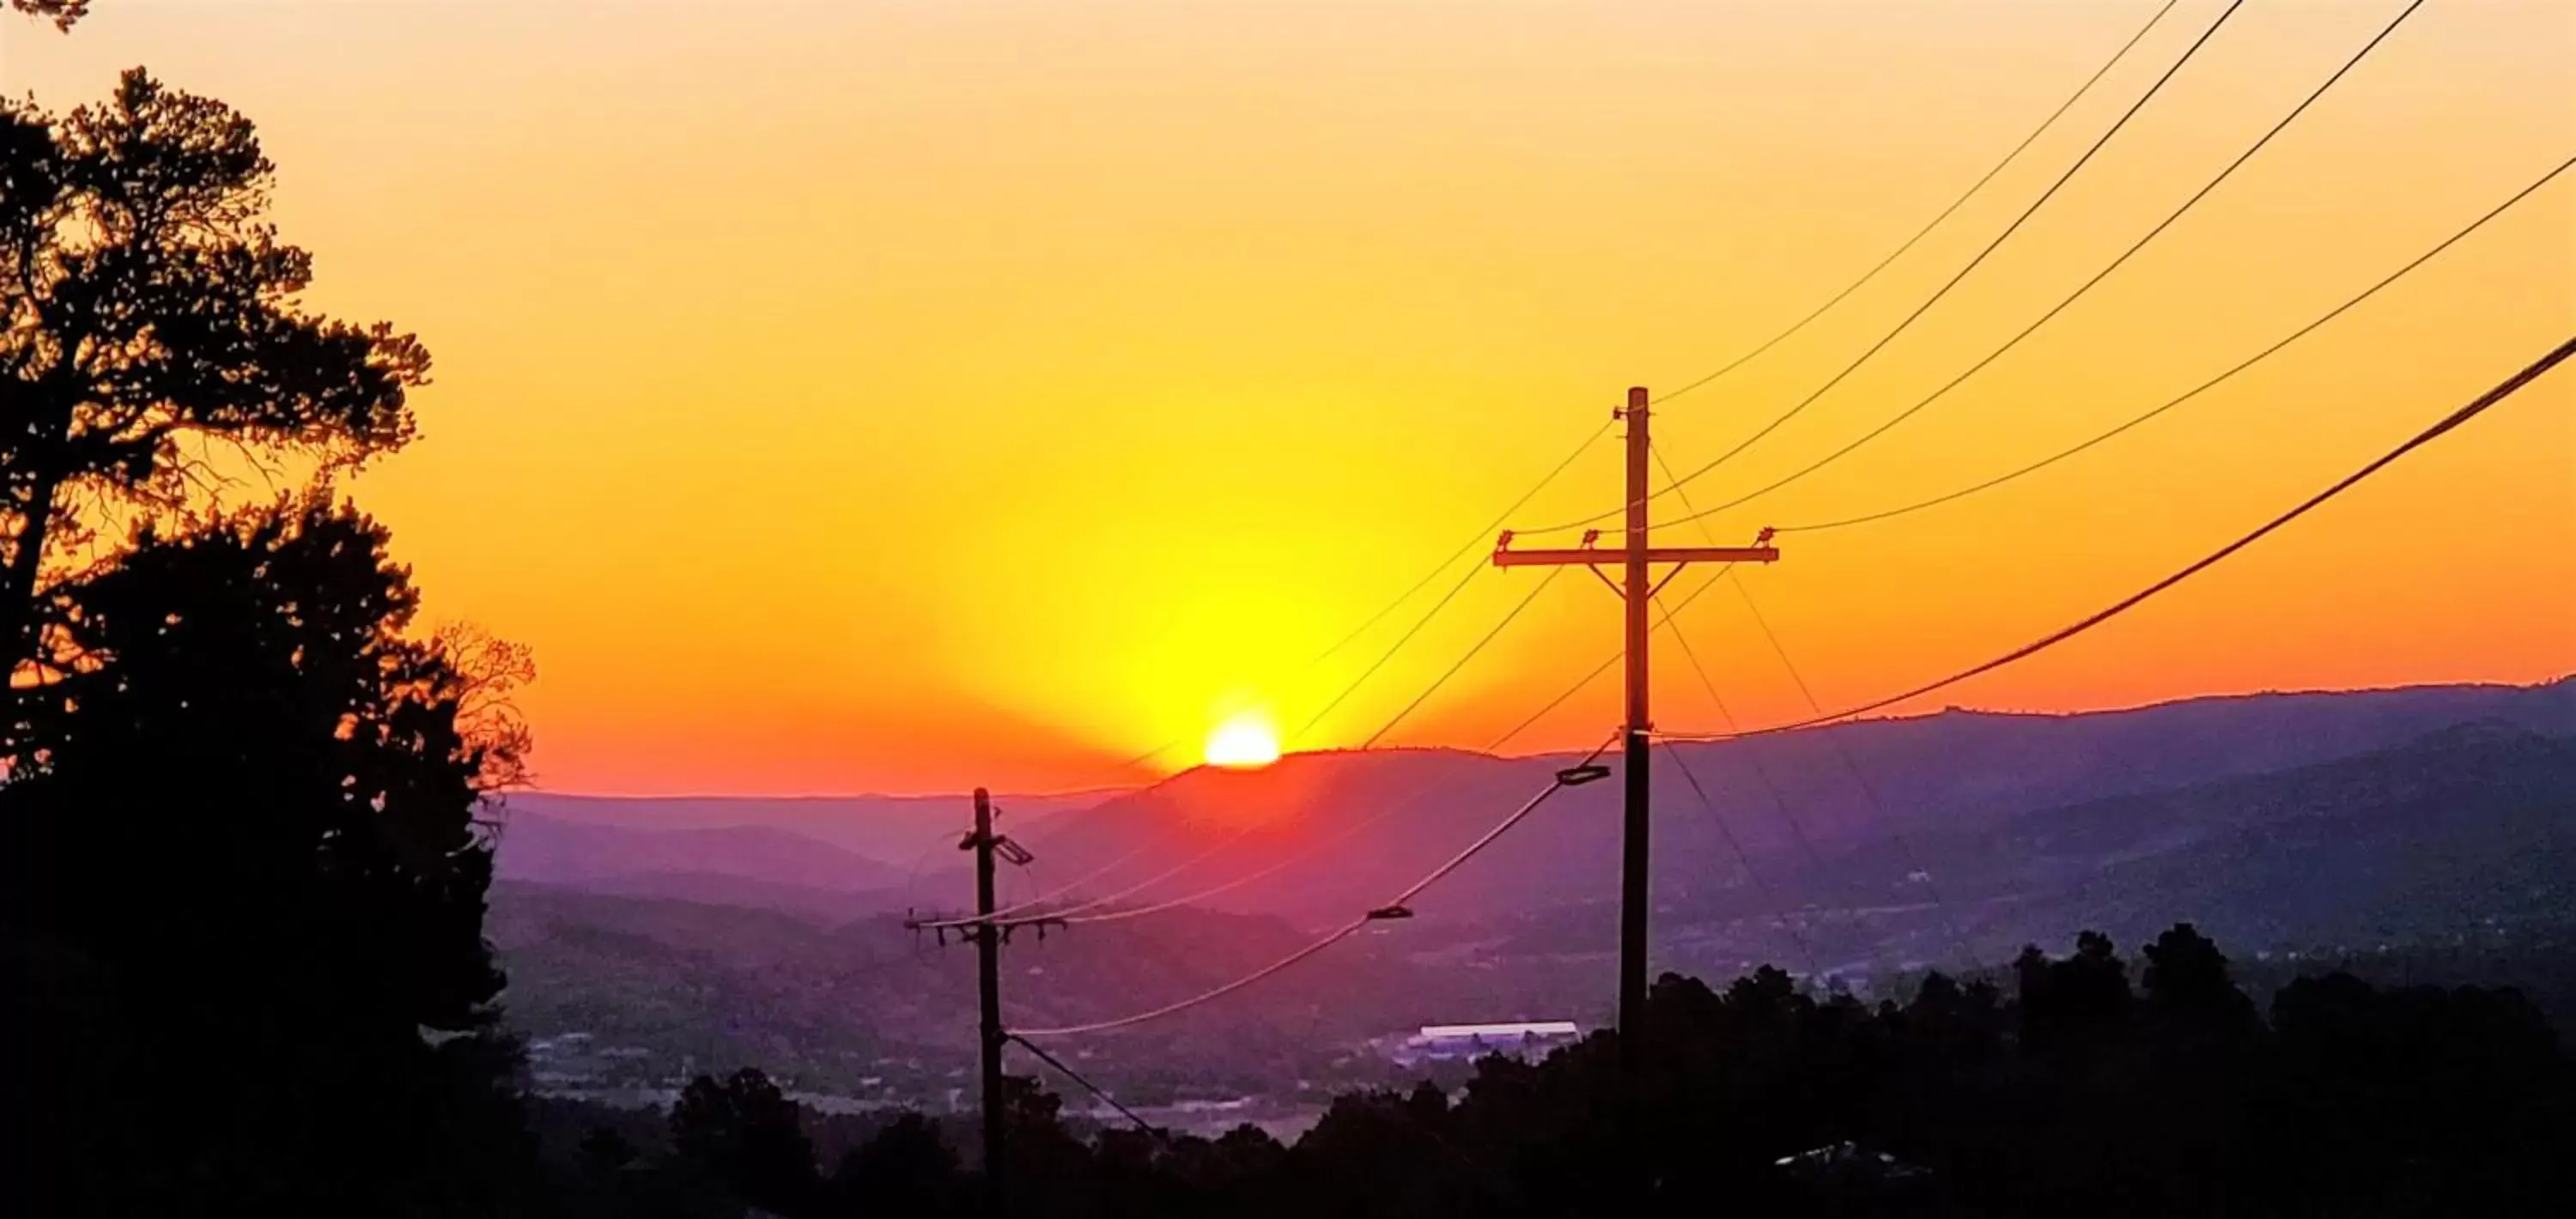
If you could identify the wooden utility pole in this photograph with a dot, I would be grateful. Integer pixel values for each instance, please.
(1639, 590)
(988, 985)
(1637, 828)
(989, 934)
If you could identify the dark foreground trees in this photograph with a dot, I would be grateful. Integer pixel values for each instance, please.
(241, 880)
(2079, 1093)
(245, 886)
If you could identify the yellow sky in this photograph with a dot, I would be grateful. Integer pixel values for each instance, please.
(857, 396)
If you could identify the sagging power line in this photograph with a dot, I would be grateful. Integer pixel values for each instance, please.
(1452, 671)
(1594, 673)
(1938, 294)
(1394, 908)
(2477, 406)
(1934, 223)
(1433, 573)
(1077, 912)
(1851, 766)
(2070, 298)
(1146, 847)
(2230, 373)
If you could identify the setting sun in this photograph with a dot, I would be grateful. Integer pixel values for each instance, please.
(1244, 742)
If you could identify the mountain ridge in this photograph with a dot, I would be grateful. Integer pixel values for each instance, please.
(1354, 826)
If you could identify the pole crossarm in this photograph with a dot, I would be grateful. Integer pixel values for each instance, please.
(970, 930)
(1508, 557)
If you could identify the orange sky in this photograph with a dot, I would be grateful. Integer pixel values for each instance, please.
(896, 396)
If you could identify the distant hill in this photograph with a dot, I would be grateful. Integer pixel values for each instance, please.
(2439, 822)
(1791, 800)
(2462, 832)
(2455, 848)
(754, 864)
(720, 983)
(896, 830)
(2469, 827)
(820, 906)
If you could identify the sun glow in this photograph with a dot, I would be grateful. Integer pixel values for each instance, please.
(1277, 265)
(1244, 742)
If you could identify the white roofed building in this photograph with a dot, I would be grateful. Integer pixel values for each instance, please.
(1444, 1042)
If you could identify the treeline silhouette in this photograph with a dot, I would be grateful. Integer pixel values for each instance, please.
(2078, 1093)
(244, 859)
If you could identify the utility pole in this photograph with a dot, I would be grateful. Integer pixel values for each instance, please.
(1637, 828)
(989, 934)
(988, 985)
(1638, 591)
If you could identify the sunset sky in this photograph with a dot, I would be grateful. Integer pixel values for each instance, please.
(905, 396)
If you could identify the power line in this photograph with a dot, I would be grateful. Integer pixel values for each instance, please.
(1501, 827)
(1244, 831)
(1743, 859)
(1479, 646)
(2205, 386)
(912, 874)
(1761, 773)
(1209, 852)
(1144, 848)
(2478, 406)
(1868, 790)
(1158, 1132)
(1404, 803)
(1597, 670)
(1075, 913)
(1389, 654)
(1558, 701)
(1480, 537)
(1355, 634)
(1275, 866)
(1943, 291)
(1991, 247)
(1338, 934)
(1100, 1026)
(2071, 297)
(1248, 829)
(1240, 833)
(1935, 222)
(1017, 908)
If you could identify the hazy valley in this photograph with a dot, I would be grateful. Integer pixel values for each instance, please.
(2428, 829)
